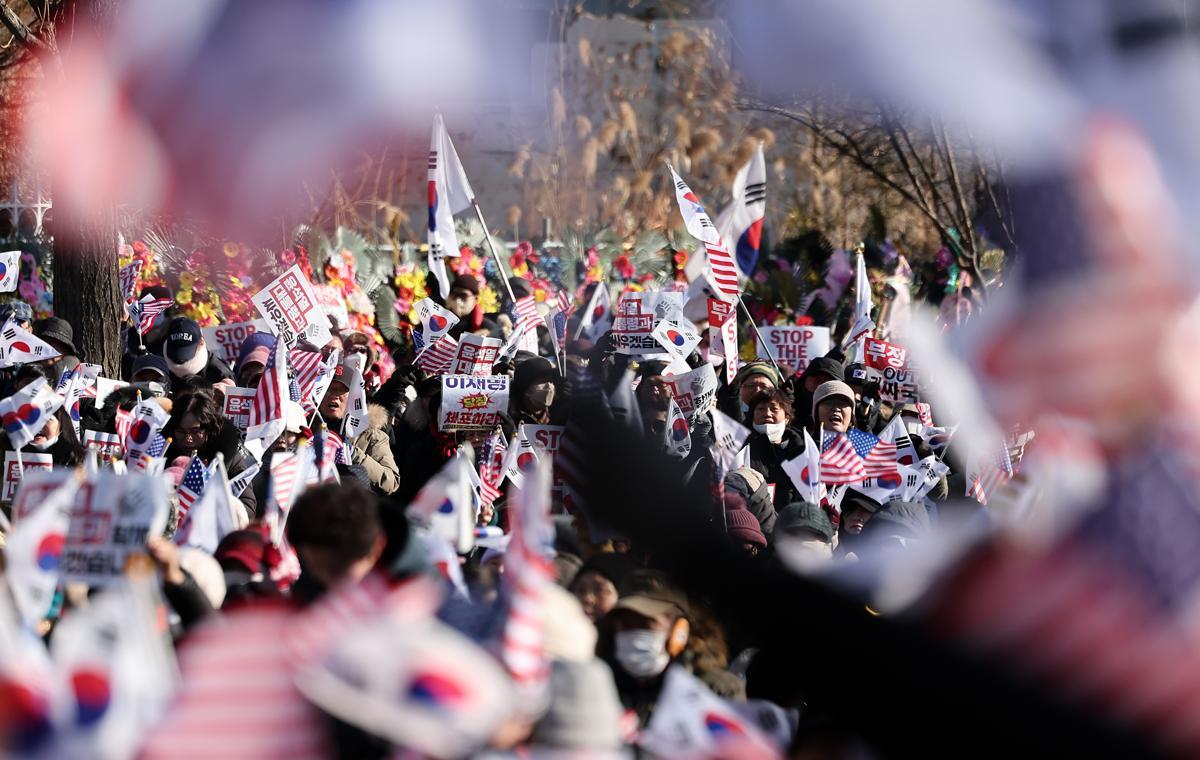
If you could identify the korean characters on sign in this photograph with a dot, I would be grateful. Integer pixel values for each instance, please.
(288, 304)
(472, 402)
(636, 316)
(793, 346)
(476, 355)
(888, 365)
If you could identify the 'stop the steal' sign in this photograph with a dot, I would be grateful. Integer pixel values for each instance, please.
(472, 402)
(887, 364)
(635, 317)
(289, 306)
(793, 346)
(226, 340)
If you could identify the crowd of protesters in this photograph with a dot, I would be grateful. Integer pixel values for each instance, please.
(617, 621)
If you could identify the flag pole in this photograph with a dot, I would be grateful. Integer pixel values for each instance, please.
(487, 236)
(759, 335)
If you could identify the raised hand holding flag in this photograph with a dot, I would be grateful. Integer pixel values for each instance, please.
(191, 486)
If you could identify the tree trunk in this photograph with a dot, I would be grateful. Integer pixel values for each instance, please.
(87, 291)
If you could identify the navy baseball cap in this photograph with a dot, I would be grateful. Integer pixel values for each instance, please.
(183, 340)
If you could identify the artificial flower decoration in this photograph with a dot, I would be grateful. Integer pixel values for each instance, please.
(517, 263)
(287, 257)
(624, 267)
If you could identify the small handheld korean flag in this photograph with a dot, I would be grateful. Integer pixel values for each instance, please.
(805, 471)
(863, 326)
(355, 420)
(10, 268)
(34, 549)
(24, 413)
(519, 458)
(435, 321)
(148, 418)
(679, 338)
(597, 319)
(447, 504)
(690, 721)
(18, 346)
(678, 434)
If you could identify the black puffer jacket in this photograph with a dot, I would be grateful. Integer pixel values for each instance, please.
(228, 443)
(768, 458)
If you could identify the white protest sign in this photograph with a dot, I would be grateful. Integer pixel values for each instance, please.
(237, 406)
(793, 346)
(13, 471)
(694, 391)
(105, 444)
(475, 356)
(226, 340)
(636, 315)
(110, 520)
(289, 306)
(105, 386)
(549, 438)
(34, 488)
(333, 304)
(472, 402)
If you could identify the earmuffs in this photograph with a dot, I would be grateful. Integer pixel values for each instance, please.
(677, 639)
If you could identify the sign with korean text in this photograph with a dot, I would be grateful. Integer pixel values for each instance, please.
(472, 402)
(887, 364)
(694, 391)
(105, 444)
(793, 346)
(34, 488)
(722, 335)
(110, 519)
(14, 471)
(636, 315)
(226, 340)
(333, 303)
(289, 306)
(237, 406)
(476, 355)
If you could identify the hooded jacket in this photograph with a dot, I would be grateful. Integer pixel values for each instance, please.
(768, 458)
(374, 447)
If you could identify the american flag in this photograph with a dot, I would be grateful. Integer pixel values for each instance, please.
(237, 695)
(525, 314)
(157, 446)
(123, 421)
(989, 475)
(557, 320)
(528, 573)
(879, 457)
(192, 484)
(128, 277)
(437, 358)
(145, 311)
(722, 269)
(306, 368)
(840, 462)
(491, 467)
(285, 471)
(266, 409)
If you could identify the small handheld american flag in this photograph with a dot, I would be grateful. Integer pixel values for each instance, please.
(840, 462)
(192, 485)
(145, 311)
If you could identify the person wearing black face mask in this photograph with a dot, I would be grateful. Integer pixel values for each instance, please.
(534, 395)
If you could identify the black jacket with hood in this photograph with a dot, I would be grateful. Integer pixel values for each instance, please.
(768, 458)
(228, 443)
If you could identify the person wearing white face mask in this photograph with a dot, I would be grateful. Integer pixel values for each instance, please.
(773, 442)
(643, 634)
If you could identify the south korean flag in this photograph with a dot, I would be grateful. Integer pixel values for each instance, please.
(19, 346)
(10, 268)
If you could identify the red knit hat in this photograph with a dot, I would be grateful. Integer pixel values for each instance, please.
(743, 526)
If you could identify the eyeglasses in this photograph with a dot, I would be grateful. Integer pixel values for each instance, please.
(192, 432)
